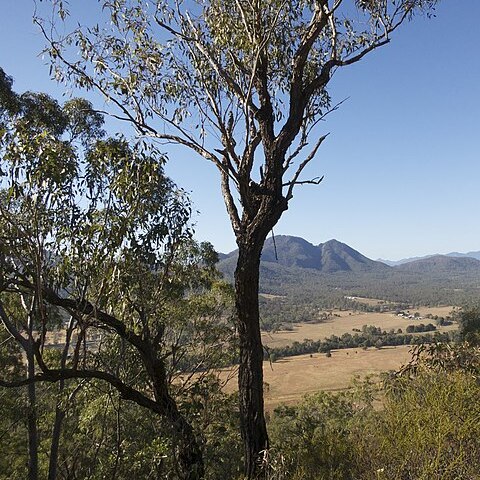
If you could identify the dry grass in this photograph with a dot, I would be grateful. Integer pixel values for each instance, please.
(291, 378)
(370, 301)
(440, 311)
(347, 321)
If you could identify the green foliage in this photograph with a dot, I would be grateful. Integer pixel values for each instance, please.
(214, 52)
(369, 337)
(312, 435)
(12, 413)
(428, 429)
(97, 248)
(469, 325)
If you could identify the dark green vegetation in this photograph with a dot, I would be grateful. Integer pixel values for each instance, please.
(305, 279)
(369, 337)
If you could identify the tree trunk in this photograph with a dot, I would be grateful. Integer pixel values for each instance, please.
(189, 456)
(54, 447)
(32, 420)
(250, 376)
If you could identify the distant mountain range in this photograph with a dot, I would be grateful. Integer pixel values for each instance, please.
(326, 273)
(334, 256)
(441, 264)
(328, 257)
(394, 263)
(298, 279)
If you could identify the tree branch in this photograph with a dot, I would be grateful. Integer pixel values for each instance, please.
(56, 375)
(12, 330)
(300, 168)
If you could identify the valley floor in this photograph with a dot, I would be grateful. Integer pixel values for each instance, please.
(345, 321)
(290, 379)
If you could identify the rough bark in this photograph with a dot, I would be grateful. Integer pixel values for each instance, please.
(250, 376)
(268, 209)
(190, 465)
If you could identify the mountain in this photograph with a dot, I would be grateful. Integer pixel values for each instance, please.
(441, 265)
(295, 252)
(468, 254)
(298, 278)
(394, 263)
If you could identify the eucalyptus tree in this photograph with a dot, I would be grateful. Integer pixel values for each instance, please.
(96, 241)
(243, 84)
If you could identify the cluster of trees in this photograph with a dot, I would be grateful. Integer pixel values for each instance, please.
(301, 296)
(312, 290)
(96, 242)
(370, 337)
(104, 436)
(420, 328)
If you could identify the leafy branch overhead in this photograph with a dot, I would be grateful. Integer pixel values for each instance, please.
(225, 78)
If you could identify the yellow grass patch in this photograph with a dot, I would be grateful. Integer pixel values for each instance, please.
(291, 378)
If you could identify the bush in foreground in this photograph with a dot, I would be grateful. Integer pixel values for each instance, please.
(421, 423)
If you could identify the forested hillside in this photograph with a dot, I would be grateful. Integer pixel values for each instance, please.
(297, 279)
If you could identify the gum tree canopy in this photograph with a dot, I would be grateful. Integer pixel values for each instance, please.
(96, 247)
(243, 84)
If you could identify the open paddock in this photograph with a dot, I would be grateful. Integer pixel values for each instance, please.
(349, 320)
(291, 378)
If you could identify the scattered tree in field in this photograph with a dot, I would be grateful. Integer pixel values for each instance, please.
(469, 328)
(96, 244)
(243, 84)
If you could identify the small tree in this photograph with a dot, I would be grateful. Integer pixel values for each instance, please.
(242, 84)
(469, 328)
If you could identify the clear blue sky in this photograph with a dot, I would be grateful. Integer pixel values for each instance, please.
(402, 163)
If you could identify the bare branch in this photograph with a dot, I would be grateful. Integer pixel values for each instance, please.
(312, 181)
(300, 168)
(12, 330)
(230, 204)
(84, 307)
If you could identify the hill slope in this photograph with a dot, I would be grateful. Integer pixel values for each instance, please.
(329, 257)
(302, 278)
(395, 263)
(442, 265)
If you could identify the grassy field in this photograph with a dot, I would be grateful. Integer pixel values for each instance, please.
(349, 320)
(369, 301)
(291, 378)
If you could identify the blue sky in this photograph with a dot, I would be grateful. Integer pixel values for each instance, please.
(401, 164)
